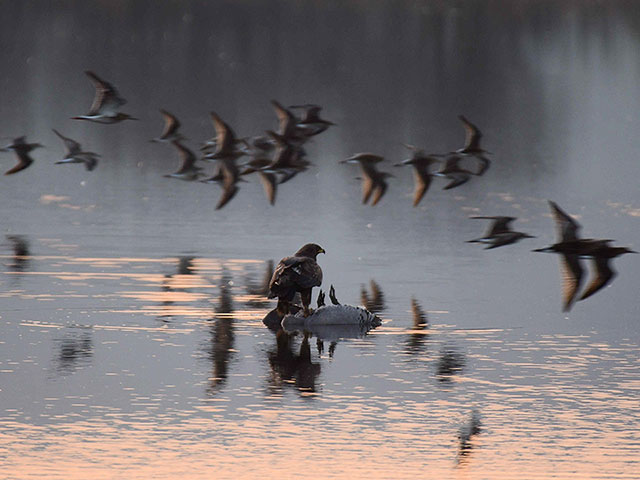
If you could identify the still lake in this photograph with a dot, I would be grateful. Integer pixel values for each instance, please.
(131, 335)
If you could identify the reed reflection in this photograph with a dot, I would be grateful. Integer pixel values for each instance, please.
(373, 302)
(21, 260)
(466, 437)
(259, 290)
(73, 350)
(450, 363)
(220, 348)
(416, 340)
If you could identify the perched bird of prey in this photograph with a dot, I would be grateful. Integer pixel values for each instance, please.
(106, 103)
(373, 181)
(453, 172)
(472, 145)
(499, 233)
(572, 248)
(22, 149)
(298, 273)
(171, 127)
(188, 169)
(75, 154)
(421, 162)
(311, 124)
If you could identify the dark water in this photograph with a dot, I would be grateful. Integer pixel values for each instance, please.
(131, 334)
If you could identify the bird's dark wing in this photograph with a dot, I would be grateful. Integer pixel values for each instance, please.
(171, 124)
(72, 146)
(294, 274)
(457, 179)
(502, 239)
(229, 191)
(187, 158)
(286, 120)
(378, 191)
(24, 160)
(106, 97)
(473, 135)
(270, 184)
(567, 226)
(225, 138)
(422, 181)
(603, 275)
(572, 273)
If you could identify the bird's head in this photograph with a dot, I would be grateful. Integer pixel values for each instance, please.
(310, 250)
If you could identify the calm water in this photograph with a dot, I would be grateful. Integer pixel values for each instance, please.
(131, 335)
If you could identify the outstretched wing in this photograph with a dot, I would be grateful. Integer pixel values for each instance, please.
(567, 226)
(72, 146)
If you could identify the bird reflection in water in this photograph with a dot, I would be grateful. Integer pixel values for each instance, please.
(289, 368)
(73, 350)
(21, 259)
(450, 363)
(374, 302)
(259, 291)
(416, 340)
(184, 267)
(220, 348)
(466, 437)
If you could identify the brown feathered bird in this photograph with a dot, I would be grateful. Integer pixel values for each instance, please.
(573, 248)
(21, 148)
(298, 273)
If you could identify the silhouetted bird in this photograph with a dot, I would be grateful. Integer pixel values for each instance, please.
(421, 163)
(374, 183)
(106, 103)
(75, 154)
(454, 172)
(171, 127)
(311, 124)
(572, 248)
(22, 150)
(298, 273)
(188, 169)
(499, 233)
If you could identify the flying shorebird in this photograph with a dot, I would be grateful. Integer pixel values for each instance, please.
(188, 169)
(171, 127)
(106, 103)
(288, 160)
(75, 154)
(374, 181)
(572, 248)
(298, 273)
(421, 175)
(21, 149)
(225, 140)
(453, 172)
(311, 124)
(287, 124)
(499, 233)
(472, 145)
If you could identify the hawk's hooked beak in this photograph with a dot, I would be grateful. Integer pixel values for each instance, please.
(321, 250)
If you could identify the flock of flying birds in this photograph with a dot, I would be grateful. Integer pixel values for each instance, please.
(279, 156)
